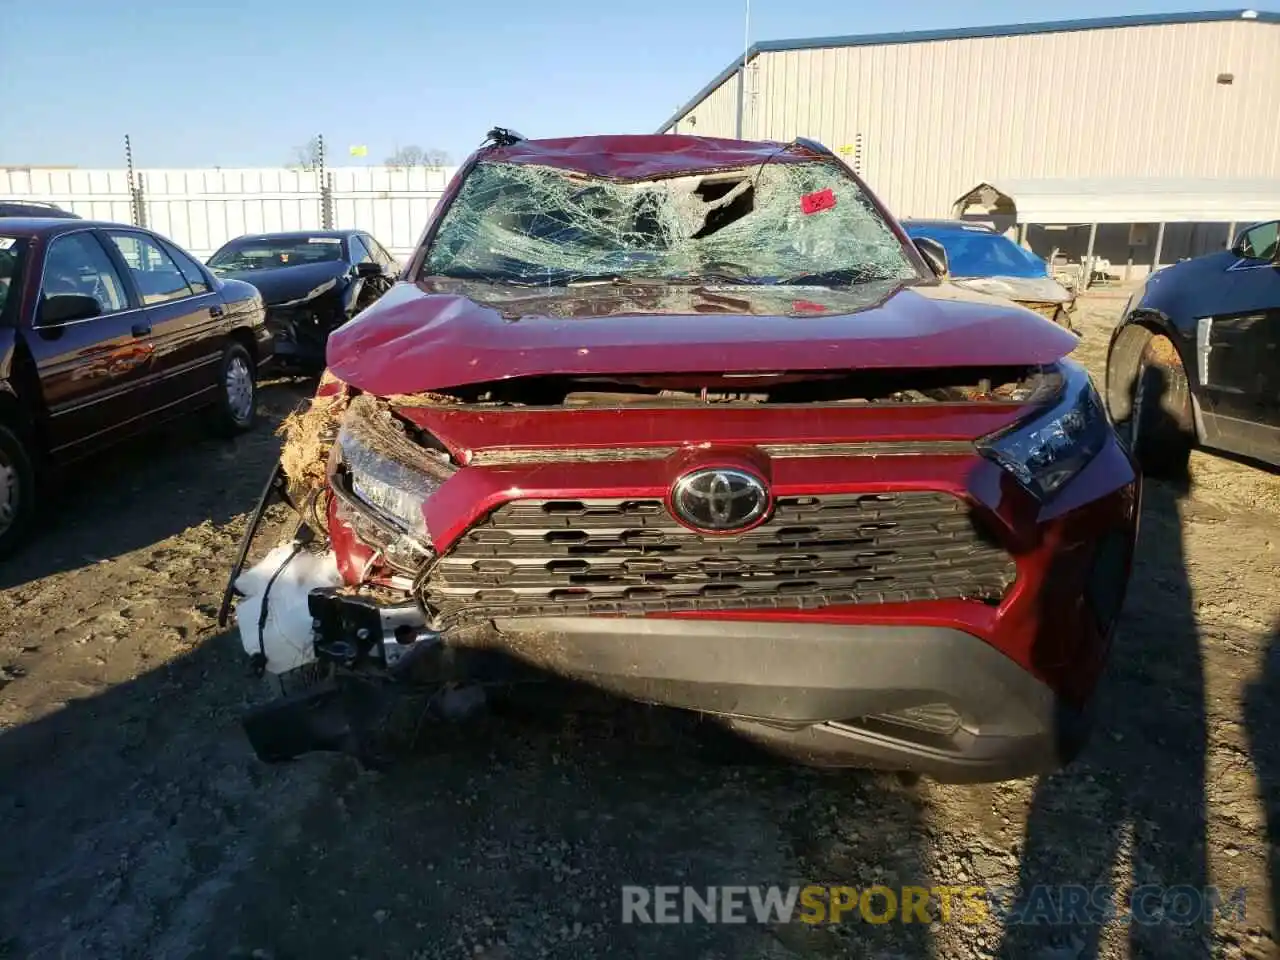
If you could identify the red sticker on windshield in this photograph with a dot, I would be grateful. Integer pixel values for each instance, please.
(821, 200)
(808, 306)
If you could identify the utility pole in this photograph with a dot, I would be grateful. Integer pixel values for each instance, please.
(137, 206)
(742, 72)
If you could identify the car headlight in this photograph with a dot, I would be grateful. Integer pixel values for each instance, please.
(391, 488)
(1046, 451)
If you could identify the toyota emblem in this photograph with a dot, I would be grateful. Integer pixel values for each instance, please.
(719, 499)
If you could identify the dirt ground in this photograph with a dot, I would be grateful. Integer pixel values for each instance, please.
(135, 822)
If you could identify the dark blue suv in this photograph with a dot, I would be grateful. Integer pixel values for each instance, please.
(1196, 356)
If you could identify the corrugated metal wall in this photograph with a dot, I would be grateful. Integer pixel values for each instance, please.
(937, 117)
(715, 115)
(202, 209)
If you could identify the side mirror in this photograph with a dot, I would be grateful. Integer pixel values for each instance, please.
(1259, 242)
(935, 255)
(60, 308)
(368, 270)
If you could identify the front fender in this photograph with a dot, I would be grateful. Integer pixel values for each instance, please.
(350, 295)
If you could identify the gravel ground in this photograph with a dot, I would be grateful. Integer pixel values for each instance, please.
(136, 822)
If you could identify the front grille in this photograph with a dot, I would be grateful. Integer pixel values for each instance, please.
(629, 558)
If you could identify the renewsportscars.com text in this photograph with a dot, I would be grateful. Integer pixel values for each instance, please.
(825, 903)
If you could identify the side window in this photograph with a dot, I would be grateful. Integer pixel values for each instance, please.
(380, 254)
(191, 271)
(78, 264)
(359, 254)
(1260, 242)
(156, 275)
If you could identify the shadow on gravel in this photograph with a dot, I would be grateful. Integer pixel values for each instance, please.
(126, 814)
(515, 836)
(1130, 813)
(138, 823)
(1262, 723)
(150, 488)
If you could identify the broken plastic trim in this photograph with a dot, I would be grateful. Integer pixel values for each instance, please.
(275, 489)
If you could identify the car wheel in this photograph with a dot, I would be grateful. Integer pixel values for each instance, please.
(1161, 429)
(237, 403)
(17, 491)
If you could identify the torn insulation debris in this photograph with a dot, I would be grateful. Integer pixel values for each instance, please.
(308, 435)
(272, 614)
(541, 225)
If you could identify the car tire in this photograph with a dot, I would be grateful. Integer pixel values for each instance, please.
(17, 491)
(1161, 428)
(236, 406)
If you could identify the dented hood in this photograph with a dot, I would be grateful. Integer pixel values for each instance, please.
(435, 336)
(286, 285)
(1023, 289)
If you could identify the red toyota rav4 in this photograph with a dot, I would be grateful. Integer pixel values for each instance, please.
(693, 421)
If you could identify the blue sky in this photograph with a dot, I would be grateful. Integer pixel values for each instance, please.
(241, 82)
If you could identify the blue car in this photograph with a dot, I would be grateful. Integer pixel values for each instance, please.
(989, 262)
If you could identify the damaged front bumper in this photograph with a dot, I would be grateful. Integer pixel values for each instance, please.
(372, 672)
(931, 700)
(300, 335)
(386, 676)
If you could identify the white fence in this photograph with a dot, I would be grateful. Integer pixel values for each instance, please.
(202, 209)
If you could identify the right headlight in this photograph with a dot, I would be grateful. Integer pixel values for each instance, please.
(393, 490)
(388, 477)
(1047, 450)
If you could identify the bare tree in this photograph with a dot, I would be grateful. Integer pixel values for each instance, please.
(414, 156)
(407, 156)
(307, 156)
(435, 159)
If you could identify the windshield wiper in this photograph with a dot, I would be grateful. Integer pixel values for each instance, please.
(845, 277)
(726, 278)
(617, 279)
(516, 280)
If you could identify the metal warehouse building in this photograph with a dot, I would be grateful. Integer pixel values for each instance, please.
(1130, 115)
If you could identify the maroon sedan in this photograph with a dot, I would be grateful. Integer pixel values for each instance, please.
(106, 329)
(695, 422)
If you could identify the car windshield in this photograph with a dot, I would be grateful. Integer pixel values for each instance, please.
(782, 223)
(12, 252)
(268, 253)
(978, 253)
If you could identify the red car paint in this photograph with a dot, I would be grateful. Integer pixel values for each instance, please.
(1053, 547)
(430, 335)
(467, 432)
(641, 157)
(415, 340)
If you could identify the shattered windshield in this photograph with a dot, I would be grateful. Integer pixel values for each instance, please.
(266, 253)
(780, 223)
